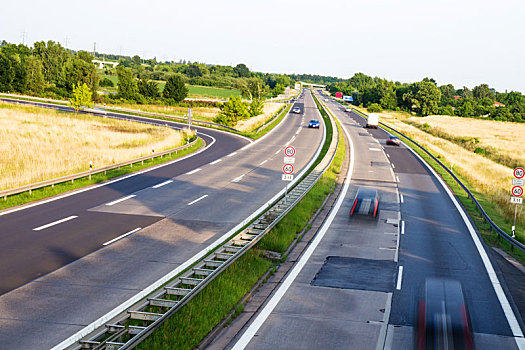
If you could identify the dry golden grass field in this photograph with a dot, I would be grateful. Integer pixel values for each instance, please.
(39, 144)
(485, 175)
(270, 108)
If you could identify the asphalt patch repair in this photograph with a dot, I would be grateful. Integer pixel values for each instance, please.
(355, 273)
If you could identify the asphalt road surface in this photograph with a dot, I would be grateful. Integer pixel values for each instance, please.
(58, 276)
(358, 288)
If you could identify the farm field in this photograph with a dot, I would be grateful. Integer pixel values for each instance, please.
(39, 144)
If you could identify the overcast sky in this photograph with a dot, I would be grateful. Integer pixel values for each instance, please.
(463, 42)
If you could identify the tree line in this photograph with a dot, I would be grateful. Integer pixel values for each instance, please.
(426, 98)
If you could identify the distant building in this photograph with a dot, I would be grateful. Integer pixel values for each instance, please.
(457, 97)
(498, 104)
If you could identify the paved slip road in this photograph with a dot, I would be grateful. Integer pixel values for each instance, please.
(357, 289)
(181, 208)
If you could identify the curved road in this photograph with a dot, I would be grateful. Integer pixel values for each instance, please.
(175, 211)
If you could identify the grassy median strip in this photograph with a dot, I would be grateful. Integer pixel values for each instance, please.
(49, 191)
(187, 328)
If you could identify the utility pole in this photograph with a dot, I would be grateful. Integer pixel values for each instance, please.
(23, 37)
(94, 49)
(66, 41)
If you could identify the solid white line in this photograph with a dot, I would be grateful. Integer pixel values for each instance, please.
(399, 277)
(216, 161)
(193, 171)
(55, 223)
(277, 151)
(231, 154)
(198, 199)
(270, 306)
(118, 179)
(122, 236)
(402, 198)
(238, 178)
(120, 200)
(402, 227)
(162, 184)
(263, 162)
(505, 305)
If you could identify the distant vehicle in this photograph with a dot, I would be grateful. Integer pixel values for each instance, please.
(366, 202)
(314, 123)
(296, 110)
(442, 317)
(372, 121)
(326, 99)
(348, 109)
(393, 140)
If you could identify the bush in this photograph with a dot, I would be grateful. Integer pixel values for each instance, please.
(447, 110)
(375, 108)
(232, 111)
(480, 151)
(106, 82)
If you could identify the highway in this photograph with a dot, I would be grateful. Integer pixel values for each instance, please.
(356, 286)
(67, 262)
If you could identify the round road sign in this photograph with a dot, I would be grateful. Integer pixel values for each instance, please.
(289, 151)
(517, 191)
(519, 173)
(288, 169)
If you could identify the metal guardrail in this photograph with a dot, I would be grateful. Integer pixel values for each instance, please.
(52, 182)
(162, 304)
(514, 242)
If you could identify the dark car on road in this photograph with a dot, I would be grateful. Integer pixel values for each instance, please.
(314, 123)
(442, 319)
(366, 202)
(393, 140)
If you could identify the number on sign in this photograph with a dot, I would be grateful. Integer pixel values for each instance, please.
(517, 191)
(288, 168)
(289, 151)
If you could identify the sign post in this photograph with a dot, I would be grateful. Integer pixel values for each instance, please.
(288, 168)
(190, 114)
(517, 193)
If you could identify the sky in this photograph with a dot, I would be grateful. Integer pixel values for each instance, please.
(463, 42)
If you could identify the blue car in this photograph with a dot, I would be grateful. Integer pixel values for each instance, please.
(314, 123)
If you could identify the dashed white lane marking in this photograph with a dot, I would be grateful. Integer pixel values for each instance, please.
(397, 178)
(120, 200)
(162, 184)
(198, 199)
(263, 162)
(291, 140)
(277, 151)
(393, 166)
(216, 161)
(231, 154)
(193, 171)
(399, 278)
(402, 227)
(122, 236)
(375, 149)
(402, 198)
(55, 223)
(238, 178)
(388, 155)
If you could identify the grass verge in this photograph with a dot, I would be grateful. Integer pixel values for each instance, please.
(49, 191)
(198, 317)
(490, 207)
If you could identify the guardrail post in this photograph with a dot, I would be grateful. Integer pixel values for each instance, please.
(30, 192)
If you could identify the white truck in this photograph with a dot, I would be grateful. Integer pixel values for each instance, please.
(372, 121)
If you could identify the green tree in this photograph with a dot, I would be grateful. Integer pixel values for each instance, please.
(242, 71)
(54, 58)
(148, 88)
(35, 75)
(6, 72)
(136, 60)
(374, 108)
(127, 86)
(232, 111)
(81, 97)
(253, 89)
(78, 71)
(193, 70)
(424, 97)
(482, 91)
(106, 82)
(175, 88)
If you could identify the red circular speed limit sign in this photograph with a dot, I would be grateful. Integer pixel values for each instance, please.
(288, 169)
(517, 191)
(519, 173)
(289, 151)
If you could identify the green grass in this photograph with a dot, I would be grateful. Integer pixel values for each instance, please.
(208, 91)
(187, 327)
(490, 207)
(270, 125)
(65, 103)
(48, 191)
